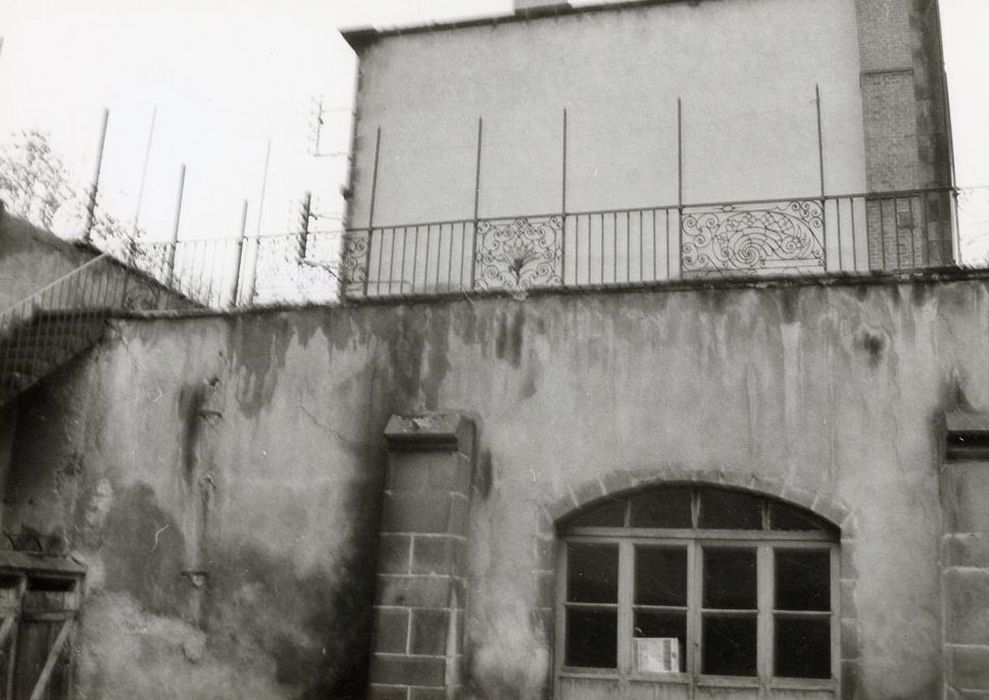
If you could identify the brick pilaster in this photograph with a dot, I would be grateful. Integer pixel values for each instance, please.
(907, 146)
(422, 569)
(965, 557)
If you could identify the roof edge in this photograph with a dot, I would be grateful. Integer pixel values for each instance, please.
(361, 37)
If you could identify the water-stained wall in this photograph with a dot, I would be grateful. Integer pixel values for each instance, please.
(221, 476)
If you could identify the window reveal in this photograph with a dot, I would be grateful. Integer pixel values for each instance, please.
(683, 584)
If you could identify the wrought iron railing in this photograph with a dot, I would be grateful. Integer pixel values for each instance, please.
(59, 320)
(908, 230)
(229, 272)
(98, 285)
(892, 231)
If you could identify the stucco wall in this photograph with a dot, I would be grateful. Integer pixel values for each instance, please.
(31, 258)
(250, 447)
(745, 69)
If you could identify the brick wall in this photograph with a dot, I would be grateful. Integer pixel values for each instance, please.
(903, 101)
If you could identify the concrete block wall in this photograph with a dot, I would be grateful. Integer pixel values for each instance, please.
(965, 579)
(422, 567)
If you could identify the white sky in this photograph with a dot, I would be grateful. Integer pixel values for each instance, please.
(226, 75)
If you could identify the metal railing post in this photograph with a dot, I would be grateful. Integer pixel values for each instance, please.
(679, 251)
(95, 184)
(370, 215)
(563, 207)
(477, 203)
(235, 290)
(175, 230)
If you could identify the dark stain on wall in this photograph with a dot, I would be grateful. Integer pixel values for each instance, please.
(920, 293)
(38, 493)
(315, 626)
(190, 403)
(405, 345)
(143, 550)
(194, 407)
(483, 473)
(874, 345)
(437, 358)
(508, 336)
(259, 346)
(790, 304)
(714, 300)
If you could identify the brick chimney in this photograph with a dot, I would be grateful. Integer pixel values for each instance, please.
(538, 6)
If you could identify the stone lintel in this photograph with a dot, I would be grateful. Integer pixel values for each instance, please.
(431, 431)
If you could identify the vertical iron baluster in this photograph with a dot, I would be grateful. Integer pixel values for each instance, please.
(381, 257)
(392, 257)
(925, 233)
(882, 233)
(576, 251)
(913, 232)
(463, 247)
(449, 260)
(415, 260)
(628, 247)
(614, 247)
(641, 250)
(425, 269)
(947, 244)
(837, 207)
(439, 257)
(896, 230)
(563, 251)
(666, 240)
(655, 274)
(949, 198)
(855, 260)
(401, 270)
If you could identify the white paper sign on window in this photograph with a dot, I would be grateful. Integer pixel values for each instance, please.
(657, 654)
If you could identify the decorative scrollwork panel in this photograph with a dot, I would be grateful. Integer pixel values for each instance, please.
(519, 254)
(353, 262)
(732, 239)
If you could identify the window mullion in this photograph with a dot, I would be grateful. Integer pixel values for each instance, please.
(625, 584)
(836, 614)
(764, 635)
(561, 608)
(693, 611)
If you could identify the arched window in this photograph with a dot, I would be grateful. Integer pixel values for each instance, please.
(699, 589)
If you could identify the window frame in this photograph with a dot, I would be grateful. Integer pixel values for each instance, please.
(694, 539)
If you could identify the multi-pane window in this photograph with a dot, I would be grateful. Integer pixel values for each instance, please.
(697, 588)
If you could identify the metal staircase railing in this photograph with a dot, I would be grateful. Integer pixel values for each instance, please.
(60, 320)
